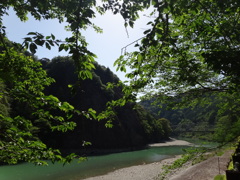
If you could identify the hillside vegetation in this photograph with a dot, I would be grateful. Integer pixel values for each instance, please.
(201, 121)
(187, 57)
(132, 126)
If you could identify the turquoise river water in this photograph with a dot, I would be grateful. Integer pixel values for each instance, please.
(95, 165)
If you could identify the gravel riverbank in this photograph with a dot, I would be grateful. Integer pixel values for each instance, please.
(205, 170)
(145, 171)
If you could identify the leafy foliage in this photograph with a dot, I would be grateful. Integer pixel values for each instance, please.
(126, 124)
(25, 80)
(191, 51)
(191, 48)
(205, 121)
(4, 100)
(183, 52)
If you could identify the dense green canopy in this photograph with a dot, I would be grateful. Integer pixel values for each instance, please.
(191, 52)
(190, 45)
(191, 48)
(23, 80)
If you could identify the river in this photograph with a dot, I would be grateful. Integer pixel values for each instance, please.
(95, 165)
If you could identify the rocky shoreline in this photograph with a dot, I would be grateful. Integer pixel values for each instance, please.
(205, 170)
(145, 171)
(140, 172)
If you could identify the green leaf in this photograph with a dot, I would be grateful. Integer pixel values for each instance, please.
(92, 113)
(33, 48)
(39, 42)
(123, 69)
(139, 58)
(47, 45)
(50, 42)
(131, 23)
(82, 159)
(28, 39)
(109, 124)
(86, 143)
(61, 47)
(32, 33)
(53, 37)
(147, 31)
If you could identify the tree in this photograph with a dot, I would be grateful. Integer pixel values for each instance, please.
(25, 80)
(4, 100)
(229, 126)
(192, 47)
(191, 43)
(166, 127)
(191, 50)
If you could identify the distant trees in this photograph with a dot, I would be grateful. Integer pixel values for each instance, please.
(167, 130)
(208, 121)
(228, 125)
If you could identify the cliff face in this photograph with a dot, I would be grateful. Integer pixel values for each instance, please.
(128, 127)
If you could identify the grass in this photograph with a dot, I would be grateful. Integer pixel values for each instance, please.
(220, 177)
(230, 166)
(194, 156)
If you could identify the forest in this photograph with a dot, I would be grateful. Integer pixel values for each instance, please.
(186, 64)
(132, 126)
(200, 122)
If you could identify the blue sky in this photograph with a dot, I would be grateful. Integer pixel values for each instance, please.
(107, 46)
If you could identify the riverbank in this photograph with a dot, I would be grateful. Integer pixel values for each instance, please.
(206, 170)
(140, 172)
(145, 171)
(100, 152)
(171, 142)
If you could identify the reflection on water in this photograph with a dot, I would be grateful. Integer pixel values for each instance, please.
(95, 165)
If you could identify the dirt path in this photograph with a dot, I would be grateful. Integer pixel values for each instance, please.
(205, 170)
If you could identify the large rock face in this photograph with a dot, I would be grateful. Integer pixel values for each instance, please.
(128, 128)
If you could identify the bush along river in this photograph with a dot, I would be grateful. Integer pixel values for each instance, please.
(93, 166)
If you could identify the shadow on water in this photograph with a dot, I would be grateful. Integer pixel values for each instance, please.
(94, 166)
